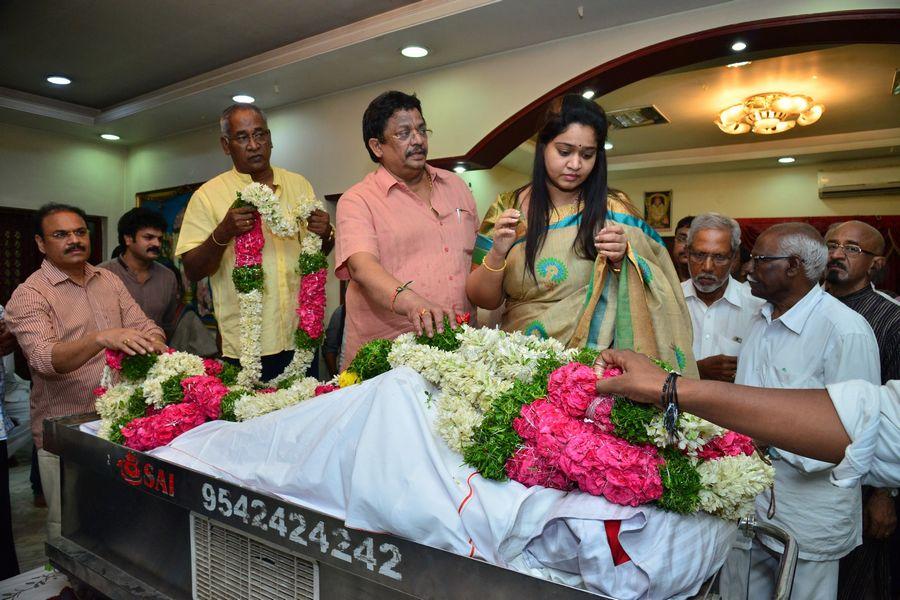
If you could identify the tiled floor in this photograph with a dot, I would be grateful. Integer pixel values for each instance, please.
(28, 521)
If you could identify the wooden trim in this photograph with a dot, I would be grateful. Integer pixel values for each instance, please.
(845, 27)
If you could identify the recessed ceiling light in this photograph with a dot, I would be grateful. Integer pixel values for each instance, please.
(742, 63)
(589, 94)
(607, 145)
(414, 51)
(110, 136)
(460, 168)
(738, 46)
(59, 80)
(786, 160)
(243, 99)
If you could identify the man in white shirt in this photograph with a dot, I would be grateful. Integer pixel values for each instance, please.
(722, 309)
(806, 339)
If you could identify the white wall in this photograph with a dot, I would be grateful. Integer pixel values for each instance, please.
(37, 167)
(780, 191)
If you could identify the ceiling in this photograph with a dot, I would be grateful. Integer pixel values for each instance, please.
(854, 82)
(145, 70)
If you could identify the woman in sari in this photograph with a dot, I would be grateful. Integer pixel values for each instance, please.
(573, 261)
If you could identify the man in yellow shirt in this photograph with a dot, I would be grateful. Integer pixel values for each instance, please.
(206, 241)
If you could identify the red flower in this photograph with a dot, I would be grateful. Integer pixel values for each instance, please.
(146, 433)
(211, 366)
(248, 246)
(326, 388)
(98, 391)
(114, 359)
(206, 392)
(311, 304)
(572, 387)
(727, 444)
(463, 318)
(529, 467)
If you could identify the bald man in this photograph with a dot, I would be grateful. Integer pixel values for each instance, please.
(855, 251)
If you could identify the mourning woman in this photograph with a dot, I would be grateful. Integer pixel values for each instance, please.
(569, 259)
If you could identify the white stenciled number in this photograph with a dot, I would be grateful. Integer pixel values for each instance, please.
(365, 553)
(276, 523)
(387, 568)
(318, 535)
(209, 497)
(297, 532)
(224, 503)
(260, 519)
(343, 544)
(240, 508)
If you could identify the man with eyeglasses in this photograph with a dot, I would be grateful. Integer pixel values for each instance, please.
(63, 316)
(722, 310)
(206, 240)
(806, 339)
(405, 233)
(679, 248)
(854, 252)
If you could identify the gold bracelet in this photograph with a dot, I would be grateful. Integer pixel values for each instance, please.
(614, 269)
(215, 241)
(486, 266)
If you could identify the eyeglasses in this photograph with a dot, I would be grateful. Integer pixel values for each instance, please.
(62, 234)
(701, 257)
(242, 139)
(849, 249)
(404, 134)
(762, 258)
(681, 237)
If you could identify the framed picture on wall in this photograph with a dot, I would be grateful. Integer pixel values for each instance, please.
(658, 209)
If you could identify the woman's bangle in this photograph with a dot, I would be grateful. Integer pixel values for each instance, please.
(400, 288)
(215, 241)
(488, 267)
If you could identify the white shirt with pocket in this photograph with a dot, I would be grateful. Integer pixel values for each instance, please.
(721, 327)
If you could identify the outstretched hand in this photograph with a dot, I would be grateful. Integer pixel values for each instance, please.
(641, 380)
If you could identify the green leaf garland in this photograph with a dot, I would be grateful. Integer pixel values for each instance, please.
(247, 279)
(446, 340)
(308, 264)
(681, 482)
(135, 368)
(372, 359)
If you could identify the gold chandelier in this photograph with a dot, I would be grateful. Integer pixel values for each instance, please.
(772, 112)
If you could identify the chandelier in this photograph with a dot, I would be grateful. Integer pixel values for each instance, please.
(772, 112)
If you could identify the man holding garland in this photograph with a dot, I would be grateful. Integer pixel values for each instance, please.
(212, 224)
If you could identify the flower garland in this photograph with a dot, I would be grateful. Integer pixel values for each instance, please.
(161, 397)
(248, 278)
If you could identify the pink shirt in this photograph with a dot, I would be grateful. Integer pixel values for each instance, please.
(381, 216)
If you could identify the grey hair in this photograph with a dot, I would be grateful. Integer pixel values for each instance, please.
(225, 125)
(716, 221)
(809, 246)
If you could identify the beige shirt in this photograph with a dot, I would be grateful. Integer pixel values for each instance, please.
(207, 208)
(49, 308)
(157, 296)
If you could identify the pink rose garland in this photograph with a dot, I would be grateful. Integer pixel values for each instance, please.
(146, 433)
(248, 246)
(311, 304)
(727, 444)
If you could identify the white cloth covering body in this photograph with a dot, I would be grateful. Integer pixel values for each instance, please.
(369, 455)
(721, 327)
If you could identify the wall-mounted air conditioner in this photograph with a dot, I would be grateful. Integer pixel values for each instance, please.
(851, 183)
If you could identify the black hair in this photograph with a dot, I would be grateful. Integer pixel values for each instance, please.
(571, 109)
(139, 218)
(53, 208)
(684, 222)
(380, 110)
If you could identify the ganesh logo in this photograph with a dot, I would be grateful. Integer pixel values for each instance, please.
(156, 479)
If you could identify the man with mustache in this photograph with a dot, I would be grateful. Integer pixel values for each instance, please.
(855, 251)
(210, 225)
(679, 247)
(805, 339)
(63, 316)
(722, 310)
(152, 285)
(405, 232)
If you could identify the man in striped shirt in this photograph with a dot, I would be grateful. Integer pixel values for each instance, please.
(855, 250)
(63, 316)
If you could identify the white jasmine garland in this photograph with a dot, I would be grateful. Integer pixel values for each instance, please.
(310, 244)
(250, 306)
(167, 366)
(731, 483)
(693, 432)
(253, 405)
(113, 406)
(281, 219)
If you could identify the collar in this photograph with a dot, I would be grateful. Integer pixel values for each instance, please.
(55, 276)
(246, 179)
(386, 180)
(798, 315)
(732, 292)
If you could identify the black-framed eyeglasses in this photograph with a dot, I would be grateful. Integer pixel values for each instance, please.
(242, 139)
(701, 257)
(404, 134)
(764, 258)
(62, 234)
(849, 249)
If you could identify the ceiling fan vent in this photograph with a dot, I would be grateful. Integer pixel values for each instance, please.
(641, 116)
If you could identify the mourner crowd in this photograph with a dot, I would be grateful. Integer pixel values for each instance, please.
(564, 256)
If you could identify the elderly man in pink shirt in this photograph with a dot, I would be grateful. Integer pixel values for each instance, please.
(405, 233)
